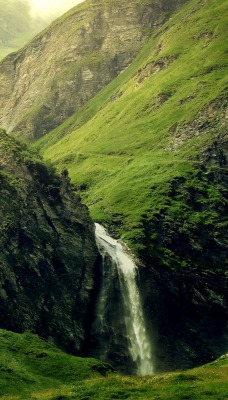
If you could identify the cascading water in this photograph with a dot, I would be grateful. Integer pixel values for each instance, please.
(119, 321)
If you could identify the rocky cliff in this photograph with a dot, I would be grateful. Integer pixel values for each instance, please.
(148, 153)
(66, 65)
(187, 315)
(47, 249)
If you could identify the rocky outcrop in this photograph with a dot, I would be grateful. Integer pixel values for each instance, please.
(47, 250)
(66, 65)
(186, 313)
(181, 240)
(184, 281)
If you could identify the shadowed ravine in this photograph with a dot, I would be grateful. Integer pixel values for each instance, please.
(120, 323)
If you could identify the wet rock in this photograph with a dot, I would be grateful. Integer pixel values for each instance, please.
(47, 250)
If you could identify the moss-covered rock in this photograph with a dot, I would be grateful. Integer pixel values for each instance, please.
(184, 285)
(47, 249)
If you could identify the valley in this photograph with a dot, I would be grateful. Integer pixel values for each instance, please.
(123, 107)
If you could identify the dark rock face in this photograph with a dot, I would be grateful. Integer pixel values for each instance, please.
(47, 250)
(66, 65)
(187, 316)
(107, 338)
(184, 283)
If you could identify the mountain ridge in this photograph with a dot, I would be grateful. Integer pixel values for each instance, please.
(17, 26)
(63, 62)
(148, 154)
(171, 122)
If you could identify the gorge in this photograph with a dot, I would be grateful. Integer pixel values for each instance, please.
(127, 104)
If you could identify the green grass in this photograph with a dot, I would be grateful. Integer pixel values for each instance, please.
(27, 364)
(16, 26)
(33, 369)
(121, 146)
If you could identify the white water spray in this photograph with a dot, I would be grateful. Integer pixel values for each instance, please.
(138, 343)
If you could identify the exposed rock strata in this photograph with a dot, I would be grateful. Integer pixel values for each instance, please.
(47, 250)
(72, 60)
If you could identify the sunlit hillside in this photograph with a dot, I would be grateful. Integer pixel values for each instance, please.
(137, 151)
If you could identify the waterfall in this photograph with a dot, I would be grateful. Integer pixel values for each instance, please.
(119, 317)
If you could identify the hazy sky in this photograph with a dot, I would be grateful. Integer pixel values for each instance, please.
(51, 7)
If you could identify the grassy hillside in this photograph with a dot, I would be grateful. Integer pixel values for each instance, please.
(16, 25)
(141, 150)
(69, 62)
(33, 369)
(30, 365)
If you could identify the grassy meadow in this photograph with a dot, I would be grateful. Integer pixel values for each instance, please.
(33, 369)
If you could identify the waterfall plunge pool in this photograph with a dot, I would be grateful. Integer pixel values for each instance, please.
(119, 327)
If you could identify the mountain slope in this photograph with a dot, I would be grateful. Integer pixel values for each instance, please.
(44, 288)
(149, 156)
(16, 25)
(68, 63)
(30, 365)
(155, 135)
(31, 368)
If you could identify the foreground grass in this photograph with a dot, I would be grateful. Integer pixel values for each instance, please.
(29, 364)
(33, 369)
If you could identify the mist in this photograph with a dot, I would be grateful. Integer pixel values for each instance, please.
(50, 8)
